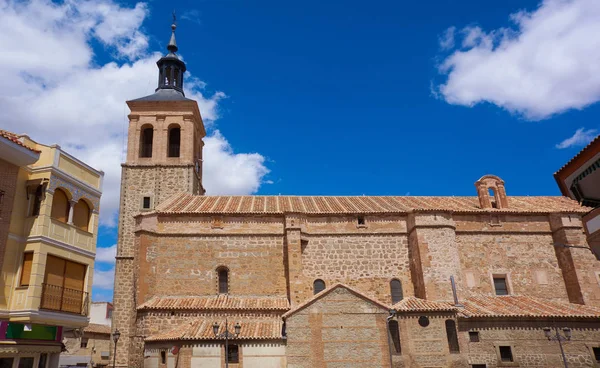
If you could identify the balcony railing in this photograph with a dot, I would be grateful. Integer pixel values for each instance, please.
(58, 298)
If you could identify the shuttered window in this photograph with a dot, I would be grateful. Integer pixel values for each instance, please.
(63, 273)
(396, 291)
(81, 215)
(26, 270)
(60, 206)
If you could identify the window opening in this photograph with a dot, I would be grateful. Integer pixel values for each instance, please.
(361, 220)
(396, 290)
(478, 366)
(26, 362)
(26, 269)
(81, 215)
(233, 355)
(37, 200)
(474, 336)
(43, 360)
(423, 321)
(452, 336)
(223, 281)
(146, 203)
(506, 354)
(174, 142)
(6, 362)
(60, 206)
(146, 142)
(395, 334)
(597, 354)
(318, 286)
(84, 343)
(500, 285)
(163, 357)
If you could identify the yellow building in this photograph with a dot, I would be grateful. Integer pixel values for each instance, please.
(48, 251)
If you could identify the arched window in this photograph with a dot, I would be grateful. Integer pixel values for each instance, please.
(223, 275)
(174, 141)
(146, 137)
(60, 206)
(81, 215)
(452, 336)
(396, 290)
(395, 334)
(318, 286)
(168, 76)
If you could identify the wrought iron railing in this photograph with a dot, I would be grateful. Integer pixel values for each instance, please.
(58, 298)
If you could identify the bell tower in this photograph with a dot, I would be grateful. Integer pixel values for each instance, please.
(164, 157)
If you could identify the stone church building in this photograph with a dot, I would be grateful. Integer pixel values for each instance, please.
(324, 281)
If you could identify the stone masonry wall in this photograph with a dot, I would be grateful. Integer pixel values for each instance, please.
(339, 330)
(8, 182)
(529, 346)
(187, 265)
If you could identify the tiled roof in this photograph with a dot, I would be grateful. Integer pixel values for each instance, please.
(202, 329)
(97, 328)
(524, 306)
(580, 153)
(217, 302)
(187, 203)
(413, 304)
(329, 290)
(15, 139)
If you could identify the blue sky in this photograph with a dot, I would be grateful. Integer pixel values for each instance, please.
(331, 97)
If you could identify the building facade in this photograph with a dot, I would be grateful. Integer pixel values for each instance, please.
(48, 252)
(323, 281)
(579, 179)
(89, 347)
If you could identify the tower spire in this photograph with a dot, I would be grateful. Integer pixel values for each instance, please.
(172, 46)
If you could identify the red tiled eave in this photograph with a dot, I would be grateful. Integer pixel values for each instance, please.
(217, 302)
(413, 304)
(519, 306)
(97, 329)
(190, 204)
(15, 139)
(202, 329)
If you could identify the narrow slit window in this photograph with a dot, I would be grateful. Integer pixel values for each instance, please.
(396, 290)
(26, 269)
(146, 203)
(452, 336)
(223, 281)
(163, 357)
(146, 138)
(500, 285)
(318, 286)
(395, 334)
(506, 354)
(174, 142)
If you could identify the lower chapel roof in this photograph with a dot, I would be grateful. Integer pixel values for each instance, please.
(202, 329)
(217, 302)
(194, 204)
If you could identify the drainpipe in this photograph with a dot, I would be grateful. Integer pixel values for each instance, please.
(389, 333)
(456, 303)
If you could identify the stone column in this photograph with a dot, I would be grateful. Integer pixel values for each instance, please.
(71, 208)
(293, 256)
(577, 264)
(434, 255)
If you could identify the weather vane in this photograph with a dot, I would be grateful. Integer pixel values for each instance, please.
(174, 17)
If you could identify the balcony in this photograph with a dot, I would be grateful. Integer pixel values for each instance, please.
(59, 231)
(60, 299)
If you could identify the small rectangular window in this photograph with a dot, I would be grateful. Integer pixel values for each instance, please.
(146, 204)
(233, 355)
(500, 285)
(26, 269)
(474, 336)
(361, 220)
(84, 343)
(478, 366)
(506, 354)
(597, 354)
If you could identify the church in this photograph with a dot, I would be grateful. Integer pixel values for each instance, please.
(490, 280)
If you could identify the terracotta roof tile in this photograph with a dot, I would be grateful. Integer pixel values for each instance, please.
(524, 306)
(580, 153)
(97, 328)
(413, 304)
(217, 302)
(187, 203)
(202, 329)
(15, 139)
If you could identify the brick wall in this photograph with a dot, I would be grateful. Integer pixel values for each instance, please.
(338, 330)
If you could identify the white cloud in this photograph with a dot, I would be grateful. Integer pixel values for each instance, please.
(547, 64)
(446, 40)
(580, 138)
(55, 91)
(104, 279)
(230, 173)
(106, 254)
